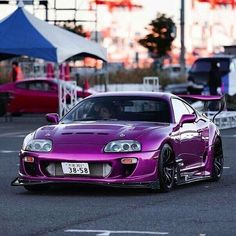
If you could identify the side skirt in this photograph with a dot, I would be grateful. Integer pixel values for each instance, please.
(187, 177)
(186, 180)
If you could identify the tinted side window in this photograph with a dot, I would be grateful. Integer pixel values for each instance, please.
(41, 86)
(205, 65)
(52, 87)
(22, 85)
(179, 109)
(36, 86)
(46, 86)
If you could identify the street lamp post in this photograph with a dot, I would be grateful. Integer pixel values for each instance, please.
(182, 50)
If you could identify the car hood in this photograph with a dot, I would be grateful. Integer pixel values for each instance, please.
(97, 132)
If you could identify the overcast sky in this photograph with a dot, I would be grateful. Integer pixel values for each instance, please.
(142, 16)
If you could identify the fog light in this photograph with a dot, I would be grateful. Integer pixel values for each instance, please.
(106, 170)
(28, 159)
(128, 161)
(51, 169)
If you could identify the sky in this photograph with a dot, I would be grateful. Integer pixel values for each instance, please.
(123, 20)
(142, 17)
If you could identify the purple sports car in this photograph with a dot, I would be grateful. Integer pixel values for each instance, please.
(140, 140)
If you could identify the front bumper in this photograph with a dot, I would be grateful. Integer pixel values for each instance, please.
(142, 175)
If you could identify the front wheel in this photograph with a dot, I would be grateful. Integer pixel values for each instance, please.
(166, 168)
(217, 160)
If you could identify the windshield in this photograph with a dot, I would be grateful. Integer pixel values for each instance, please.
(120, 108)
(205, 65)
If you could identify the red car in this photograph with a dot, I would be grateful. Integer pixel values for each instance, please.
(34, 96)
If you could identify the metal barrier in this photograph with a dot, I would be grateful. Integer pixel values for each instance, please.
(151, 83)
(225, 120)
(67, 96)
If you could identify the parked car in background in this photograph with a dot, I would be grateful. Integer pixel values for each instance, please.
(173, 71)
(34, 96)
(199, 73)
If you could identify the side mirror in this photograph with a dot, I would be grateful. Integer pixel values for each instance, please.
(186, 118)
(52, 118)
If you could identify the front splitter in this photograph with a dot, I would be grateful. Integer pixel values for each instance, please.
(22, 182)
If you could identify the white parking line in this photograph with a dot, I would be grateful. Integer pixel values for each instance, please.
(108, 232)
(229, 136)
(20, 136)
(4, 127)
(226, 167)
(8, 151)
(13, 134)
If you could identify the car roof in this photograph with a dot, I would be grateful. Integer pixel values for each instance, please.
(216, 57)
(36, 79)
(162, 95)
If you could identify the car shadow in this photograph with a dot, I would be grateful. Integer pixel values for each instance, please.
(107, 191)
(86, 191)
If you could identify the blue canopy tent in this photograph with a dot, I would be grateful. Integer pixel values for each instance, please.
(21, 33)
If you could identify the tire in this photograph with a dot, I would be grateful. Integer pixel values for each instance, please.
(166, 168)
(217, 161)
(36, 188)
(2, 109)
(16, 114)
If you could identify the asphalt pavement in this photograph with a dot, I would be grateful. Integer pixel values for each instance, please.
(204, 208)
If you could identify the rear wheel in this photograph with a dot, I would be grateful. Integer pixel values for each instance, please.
(166, 168)
(217, 161)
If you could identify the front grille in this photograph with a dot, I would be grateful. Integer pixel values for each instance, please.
(54, 169)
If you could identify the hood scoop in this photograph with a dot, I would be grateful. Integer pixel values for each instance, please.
(83, 133)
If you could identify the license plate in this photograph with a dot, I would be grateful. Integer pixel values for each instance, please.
(75, 168)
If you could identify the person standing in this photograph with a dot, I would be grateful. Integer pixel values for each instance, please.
(214, 79)
(16, 72)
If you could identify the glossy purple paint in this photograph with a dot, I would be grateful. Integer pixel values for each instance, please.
(84, 141)
(202, 97)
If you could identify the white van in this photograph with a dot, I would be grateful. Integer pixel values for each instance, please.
(199, 72)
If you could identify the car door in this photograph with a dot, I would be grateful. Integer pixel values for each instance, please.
(20, 101)
(191, 143)
(45, 96)
(50, 96)
(36, 96)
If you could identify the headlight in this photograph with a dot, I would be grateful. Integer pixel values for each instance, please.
(28, 138)
(38, 145)
(123, 146)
